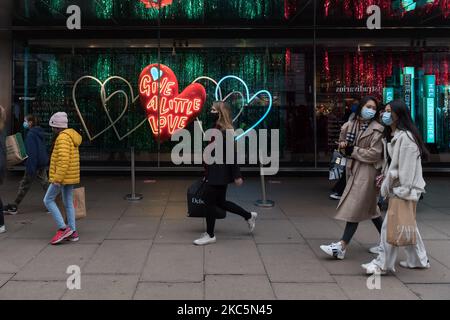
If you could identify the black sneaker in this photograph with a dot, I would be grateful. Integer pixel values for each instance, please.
(10, 209)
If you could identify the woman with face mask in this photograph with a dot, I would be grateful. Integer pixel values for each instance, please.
(361, 142)
(36, 163)
(219, 175)
(2, 163)
(402, 178)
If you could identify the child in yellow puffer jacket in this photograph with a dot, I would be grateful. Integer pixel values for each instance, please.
(64, 173)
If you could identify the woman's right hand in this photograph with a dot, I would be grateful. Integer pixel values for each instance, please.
(343, 144)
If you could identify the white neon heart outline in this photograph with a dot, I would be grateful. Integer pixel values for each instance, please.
(104, 101)
(221, 98)
(249, 100)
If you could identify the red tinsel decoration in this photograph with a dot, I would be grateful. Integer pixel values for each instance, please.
(348, 70)
(370, 70)
(445, 7)
(347, 8)
(290, 8)
(288, 58)
(326, 66)
(360, 9)
(361, 70)
(156, 3)
(379, 72)
(357, 8)
(326, 6)
(445, 71)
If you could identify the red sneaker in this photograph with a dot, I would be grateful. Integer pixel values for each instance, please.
(74, 237)
(61, 235)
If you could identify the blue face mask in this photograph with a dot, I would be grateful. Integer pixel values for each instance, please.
(26, 125)
(387, 119)
(367, 113)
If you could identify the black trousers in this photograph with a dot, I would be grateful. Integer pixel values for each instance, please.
(339, 187)
(350, 229)
(215, 196)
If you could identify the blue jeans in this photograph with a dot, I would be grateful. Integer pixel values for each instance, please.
(67, 197)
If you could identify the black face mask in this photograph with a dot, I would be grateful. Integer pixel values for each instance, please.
(214, 116)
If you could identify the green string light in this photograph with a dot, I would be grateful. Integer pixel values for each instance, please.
(104, 9)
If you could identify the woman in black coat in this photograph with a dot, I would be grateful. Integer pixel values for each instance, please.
(219, 175)
(2, 163)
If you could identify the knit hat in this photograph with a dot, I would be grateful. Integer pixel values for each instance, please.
(59, 120)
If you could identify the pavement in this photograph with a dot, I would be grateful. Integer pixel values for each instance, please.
(144, 250)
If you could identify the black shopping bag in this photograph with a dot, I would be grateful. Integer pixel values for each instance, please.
(196, 203)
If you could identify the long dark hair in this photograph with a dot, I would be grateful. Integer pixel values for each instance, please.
(32, 118)
(363, 102)
(405, 123)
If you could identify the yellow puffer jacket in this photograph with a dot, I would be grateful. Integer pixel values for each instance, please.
(65, 159)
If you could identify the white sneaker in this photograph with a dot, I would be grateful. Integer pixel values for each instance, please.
(372, 268)
(2, 229)
(375, 250)
(204, 240)
(335, 196)
(404, 264)
(334, 250)
(252, 221)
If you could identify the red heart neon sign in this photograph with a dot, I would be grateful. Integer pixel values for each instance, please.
(176, 111)
(156, 3)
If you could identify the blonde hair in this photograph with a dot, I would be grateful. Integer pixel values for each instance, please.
(2, 117)
(225, 121)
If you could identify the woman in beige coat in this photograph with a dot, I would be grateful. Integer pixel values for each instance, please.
(403, 179)
(361, 142)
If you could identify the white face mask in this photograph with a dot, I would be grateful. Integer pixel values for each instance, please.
(367, 113)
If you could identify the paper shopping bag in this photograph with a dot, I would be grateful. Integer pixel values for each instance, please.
(401, 224)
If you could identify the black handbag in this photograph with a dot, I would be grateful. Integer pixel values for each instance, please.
(196, 203)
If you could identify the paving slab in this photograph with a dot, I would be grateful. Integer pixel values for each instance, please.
(182, 231)
(276, 231)
(355, 287)
(431, 291)
(104, 287)
(144, 211)
(442, 226)
(308, 291)
(119, 257)
(174, 263)
(16, 253)
(33, 290)
(170, 291)
(133, 228)
(94, 231)
(243, 287)
(41, 228)
(175, 210)
(233, 257)
(4, 278)
(53, 261)
(292, 263)
(318, 227)
(438, 273)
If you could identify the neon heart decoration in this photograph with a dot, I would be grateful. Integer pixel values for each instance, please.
(248, 101)
(156, 3)
(156, 73)
(220, 95)
(104, 101)
(161, 100)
